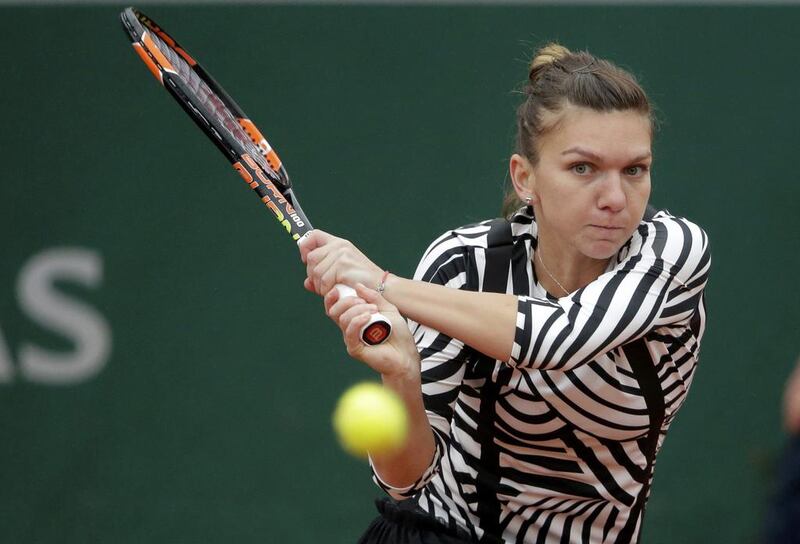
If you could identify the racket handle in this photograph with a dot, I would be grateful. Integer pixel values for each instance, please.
(377, 329)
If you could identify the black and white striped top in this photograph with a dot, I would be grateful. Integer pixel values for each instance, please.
(569, 420)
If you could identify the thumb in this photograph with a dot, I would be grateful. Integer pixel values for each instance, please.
(311, 241)
(371, 296)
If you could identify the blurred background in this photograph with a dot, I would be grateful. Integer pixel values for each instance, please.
(164, 376)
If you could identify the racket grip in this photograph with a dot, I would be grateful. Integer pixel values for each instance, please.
(377, 329)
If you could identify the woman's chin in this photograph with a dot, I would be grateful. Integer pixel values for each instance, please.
(601, 250)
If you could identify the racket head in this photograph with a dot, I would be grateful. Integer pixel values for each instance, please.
(218, 115)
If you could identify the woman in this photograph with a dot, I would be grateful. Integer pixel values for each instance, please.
(537, 409)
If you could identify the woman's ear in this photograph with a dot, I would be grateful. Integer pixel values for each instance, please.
(523, 178)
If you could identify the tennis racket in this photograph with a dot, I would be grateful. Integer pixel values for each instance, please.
(234, 134)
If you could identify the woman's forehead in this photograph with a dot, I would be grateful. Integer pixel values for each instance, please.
(614, 134)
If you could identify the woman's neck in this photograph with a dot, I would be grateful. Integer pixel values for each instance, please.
(563, 272)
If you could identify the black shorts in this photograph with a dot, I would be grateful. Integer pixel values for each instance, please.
(406, 523)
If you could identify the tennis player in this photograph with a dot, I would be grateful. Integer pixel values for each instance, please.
(546, 355)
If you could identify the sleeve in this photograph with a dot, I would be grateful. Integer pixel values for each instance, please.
(659, 282)
(446, 262)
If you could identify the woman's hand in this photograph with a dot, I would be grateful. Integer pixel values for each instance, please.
(397, 357)
(330, 260)
(398, 363)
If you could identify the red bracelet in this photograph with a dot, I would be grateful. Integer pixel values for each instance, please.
(382, 285)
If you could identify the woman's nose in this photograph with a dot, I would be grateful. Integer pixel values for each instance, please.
(612, 195)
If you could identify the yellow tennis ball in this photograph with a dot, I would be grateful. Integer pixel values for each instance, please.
(370, 419)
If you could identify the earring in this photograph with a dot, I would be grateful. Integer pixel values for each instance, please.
(527, 201)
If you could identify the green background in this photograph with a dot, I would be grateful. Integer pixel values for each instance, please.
(210, 421)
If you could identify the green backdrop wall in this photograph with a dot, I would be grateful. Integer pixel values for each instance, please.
(164, 377)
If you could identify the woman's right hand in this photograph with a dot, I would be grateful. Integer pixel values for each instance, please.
(395, 358)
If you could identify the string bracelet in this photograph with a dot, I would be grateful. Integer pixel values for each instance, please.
(382, 285)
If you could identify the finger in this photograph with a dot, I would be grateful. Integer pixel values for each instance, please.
(326, 271)
(386, 308)
(352, 334)
(313, 258)
(356, 311)
(307, 244)
(373, 297)
(316, 238)
(342, 305)
(327, 281)
(309, 285)
(313, 268)
(311, 279)
(331, 297)
(370, 295)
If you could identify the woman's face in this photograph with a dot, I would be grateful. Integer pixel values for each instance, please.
(592, 182)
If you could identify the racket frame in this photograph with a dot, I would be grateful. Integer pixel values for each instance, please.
(234, 134)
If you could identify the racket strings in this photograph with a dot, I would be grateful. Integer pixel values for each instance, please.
(214, 105)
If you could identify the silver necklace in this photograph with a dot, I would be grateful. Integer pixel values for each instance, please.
(539, 253)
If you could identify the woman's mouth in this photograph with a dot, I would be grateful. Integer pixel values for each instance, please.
(606, 227)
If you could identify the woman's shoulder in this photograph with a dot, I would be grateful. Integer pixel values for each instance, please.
(476, 235)
(677, 241)
(451, 247)
(672, 231)
(452, 252)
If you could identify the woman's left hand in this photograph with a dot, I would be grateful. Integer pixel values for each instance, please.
(330, 260)
(397, 358)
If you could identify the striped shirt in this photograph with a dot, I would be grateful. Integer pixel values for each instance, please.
(569, 420)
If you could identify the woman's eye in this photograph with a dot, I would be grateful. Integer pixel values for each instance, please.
(581, 168)
(635, 171)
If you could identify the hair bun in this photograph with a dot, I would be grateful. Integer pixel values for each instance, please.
(545, 57)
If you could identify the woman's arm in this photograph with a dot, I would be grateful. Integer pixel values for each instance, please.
(659, 283)
(398, 363)
(430, 361)
(486, 321)
(403, 468)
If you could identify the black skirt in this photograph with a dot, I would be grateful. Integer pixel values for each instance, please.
(406, 523)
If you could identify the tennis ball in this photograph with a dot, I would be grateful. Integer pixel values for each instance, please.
(370, 419)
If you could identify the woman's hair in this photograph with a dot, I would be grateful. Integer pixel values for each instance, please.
(558, 77)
